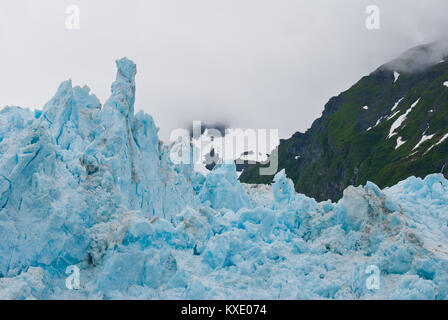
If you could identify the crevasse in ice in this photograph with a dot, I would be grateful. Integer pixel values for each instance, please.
(91, 186)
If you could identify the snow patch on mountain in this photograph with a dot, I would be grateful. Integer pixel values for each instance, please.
(400, 142)
(423, 140)
(442, 140)
(397, 124)
(396, 104)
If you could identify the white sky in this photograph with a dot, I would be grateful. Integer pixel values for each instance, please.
(251, 63)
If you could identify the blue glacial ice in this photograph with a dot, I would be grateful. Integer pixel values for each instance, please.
(90, 185)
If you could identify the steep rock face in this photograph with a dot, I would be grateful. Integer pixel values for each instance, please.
(391, 125)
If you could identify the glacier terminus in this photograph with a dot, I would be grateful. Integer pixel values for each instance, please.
(90, 187)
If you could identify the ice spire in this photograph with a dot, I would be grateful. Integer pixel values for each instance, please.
(123, 89)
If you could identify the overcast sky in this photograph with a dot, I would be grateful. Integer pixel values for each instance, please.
(249, 63)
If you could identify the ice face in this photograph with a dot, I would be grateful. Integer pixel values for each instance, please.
(221, 189)
(78, 165)
(91, 186)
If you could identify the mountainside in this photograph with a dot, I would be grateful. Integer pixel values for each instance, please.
(390, 125)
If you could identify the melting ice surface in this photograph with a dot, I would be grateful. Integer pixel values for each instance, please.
(91, 186)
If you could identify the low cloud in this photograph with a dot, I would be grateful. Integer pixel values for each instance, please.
(269, 64)
(420, 58)
(219, 126)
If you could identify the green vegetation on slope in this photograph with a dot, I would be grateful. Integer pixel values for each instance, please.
(340, 149)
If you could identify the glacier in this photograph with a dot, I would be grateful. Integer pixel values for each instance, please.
(90, 185)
